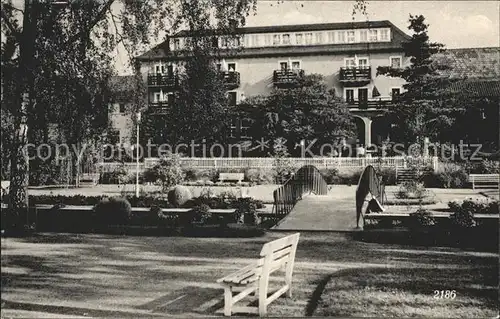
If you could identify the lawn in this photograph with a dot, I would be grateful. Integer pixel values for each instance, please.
(125, 276)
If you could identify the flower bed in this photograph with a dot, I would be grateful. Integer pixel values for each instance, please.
(472, 223)
(102, 214)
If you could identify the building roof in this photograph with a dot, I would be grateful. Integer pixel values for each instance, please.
(162, 50)
(477, 63)
(298, 27)
(475, 72)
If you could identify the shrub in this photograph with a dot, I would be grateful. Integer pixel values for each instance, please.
(420, 218)
(117, 176)
(350, 177)
(195, 175)
(476, 206)
(260, 175)
(150, 175)
(179, 195)
(113, 211)
(488, 167)
(47, 173)
(463, 219)
(331, 176)
(168, 172)
(198, 215)
(449, 175)
(246, 210)
(388, 176)
(411, 189)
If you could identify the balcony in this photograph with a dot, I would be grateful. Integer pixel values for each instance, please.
(231, 79)
(164, 80)
(355, 75)
(370, 104)
(286, 78)
(158, 107)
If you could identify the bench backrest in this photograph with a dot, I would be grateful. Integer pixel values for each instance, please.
(484, 177)
(278, 252)
(231, 176)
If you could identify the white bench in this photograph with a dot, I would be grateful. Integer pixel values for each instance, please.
(255, 277)
(484, 180)
(231, 177)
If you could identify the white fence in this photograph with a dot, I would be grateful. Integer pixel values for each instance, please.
(268, 162)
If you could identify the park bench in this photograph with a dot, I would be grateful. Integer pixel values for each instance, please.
(255, 277)
(231, 177)
(484, 180)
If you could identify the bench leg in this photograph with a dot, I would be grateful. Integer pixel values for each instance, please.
(263, 299)
(288, 280)
(228, 301)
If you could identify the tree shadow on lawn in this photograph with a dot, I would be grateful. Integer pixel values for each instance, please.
(347, 292)
(476, 240)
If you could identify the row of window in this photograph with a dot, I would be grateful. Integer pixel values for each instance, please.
(293, 38)
(394, 61)
(350, 96)
(362, 94)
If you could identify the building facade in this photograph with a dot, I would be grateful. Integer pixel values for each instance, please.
(260, 58)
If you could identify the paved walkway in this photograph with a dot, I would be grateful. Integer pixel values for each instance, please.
(333, 212)
(336, 211)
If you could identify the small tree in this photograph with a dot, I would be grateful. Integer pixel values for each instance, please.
(283, 166)
(169, 172)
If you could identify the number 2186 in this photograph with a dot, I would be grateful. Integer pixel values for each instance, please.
(445, 294)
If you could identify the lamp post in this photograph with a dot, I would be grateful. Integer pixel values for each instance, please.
(137, 156)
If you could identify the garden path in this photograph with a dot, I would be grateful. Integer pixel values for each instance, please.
(332, 212)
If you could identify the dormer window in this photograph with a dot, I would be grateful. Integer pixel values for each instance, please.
(267, 39)
(331, 37)
(341, 36)
(309, 38)
(286, 38)
(384, 35)
(276, 39)
(319, 38)
(373, 36)
(363, 36)
(299, 39)
(351, 38)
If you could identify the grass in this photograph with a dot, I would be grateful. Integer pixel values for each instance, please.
(410, 292)
(125, 276)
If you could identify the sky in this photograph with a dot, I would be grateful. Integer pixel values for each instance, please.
(457, 24)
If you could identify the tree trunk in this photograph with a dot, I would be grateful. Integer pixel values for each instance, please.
(18, 193)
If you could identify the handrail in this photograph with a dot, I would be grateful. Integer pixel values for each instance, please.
(369, 183)
(307, 179)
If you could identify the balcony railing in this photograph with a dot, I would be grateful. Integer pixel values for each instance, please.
(231, 79)
(355, 74)
(370, 104)
(158, 107)
(163, 80)
(287, 77)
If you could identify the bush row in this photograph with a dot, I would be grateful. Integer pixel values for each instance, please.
(221, 202)
(117, 211)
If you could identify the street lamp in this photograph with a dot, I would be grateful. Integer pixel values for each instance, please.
(137, 156)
